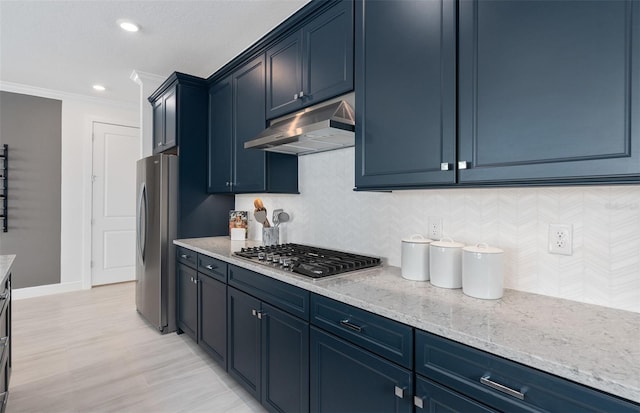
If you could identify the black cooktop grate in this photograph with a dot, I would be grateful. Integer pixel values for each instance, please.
(310, 261)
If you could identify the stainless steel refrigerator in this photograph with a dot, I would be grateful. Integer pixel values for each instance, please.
(156, 227)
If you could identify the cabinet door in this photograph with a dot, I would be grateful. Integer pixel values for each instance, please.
(433, 398)
(346, 378)
(406, 102)
(249, 120)
(328, 54)
(285, 361)
(244, 340)
(549, 90)
(187, 300)
(170, 118)
(158, 125)
(284, 76)
(220, 137)
(212, 317)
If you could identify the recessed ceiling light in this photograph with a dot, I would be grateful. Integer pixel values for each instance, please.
(99, 88)
(128, 26)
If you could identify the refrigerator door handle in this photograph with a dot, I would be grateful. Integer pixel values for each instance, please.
(142, 222)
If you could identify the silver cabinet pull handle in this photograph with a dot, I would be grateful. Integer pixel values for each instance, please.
(260, 314)
(444, 166)
(254, 313)
(350, 325)
(418, 402)
(4, 295)
(301, 94)
(462, 165)
(295, 97)
(185, 256)
(209, 267)
(399, 392)
(486, 380)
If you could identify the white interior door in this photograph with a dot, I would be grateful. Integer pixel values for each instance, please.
(116, 149)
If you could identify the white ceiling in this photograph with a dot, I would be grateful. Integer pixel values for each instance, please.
(68, 46)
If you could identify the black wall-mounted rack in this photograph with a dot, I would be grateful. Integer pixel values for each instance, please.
(4, 170)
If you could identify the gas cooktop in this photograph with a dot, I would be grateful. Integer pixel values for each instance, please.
(310, 261)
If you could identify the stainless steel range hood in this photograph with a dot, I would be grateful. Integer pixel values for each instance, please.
(316, 129)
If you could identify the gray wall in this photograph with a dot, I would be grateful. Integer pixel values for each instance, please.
(31, 126)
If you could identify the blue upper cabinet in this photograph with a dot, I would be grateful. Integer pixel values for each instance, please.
(549, 91)
(236, 115)
(284, 75)
(220, 137)
(313, 63)
(165, 117)
(249, 165)
(405, 93)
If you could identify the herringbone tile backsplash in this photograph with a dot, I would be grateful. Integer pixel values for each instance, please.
(604, 268)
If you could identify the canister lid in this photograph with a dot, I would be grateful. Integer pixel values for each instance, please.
(447, 243)
(417, 239)
(483, 248)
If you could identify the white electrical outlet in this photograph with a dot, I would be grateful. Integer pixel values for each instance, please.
(435, 228)
(561, 239)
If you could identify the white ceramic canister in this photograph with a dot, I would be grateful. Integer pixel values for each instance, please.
(482, 271)
(445, 263)
(415, 258)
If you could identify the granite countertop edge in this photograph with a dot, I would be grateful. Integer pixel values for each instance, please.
(514, 327)
(6, 263)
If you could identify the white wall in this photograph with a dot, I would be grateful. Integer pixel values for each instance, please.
(78, 114)
(604, 268)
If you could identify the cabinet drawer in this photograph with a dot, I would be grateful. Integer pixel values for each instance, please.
(287, 297)
(346, 378)
(488, 378)
(380, 335)
(187, 257)
(212, 267)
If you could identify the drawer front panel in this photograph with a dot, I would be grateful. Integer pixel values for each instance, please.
(504, 384)
(287, 297)
(431, 397)
(187, 257)
(212, 267)
(380, 335)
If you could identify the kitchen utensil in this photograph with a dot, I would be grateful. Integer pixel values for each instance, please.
(482, 271)
(445, 263)
(276, 217)
(283, 217)
(260, 216)
(415, 258)
(257, 203)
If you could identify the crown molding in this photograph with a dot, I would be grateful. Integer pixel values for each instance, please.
(60, 95)
(140, 77)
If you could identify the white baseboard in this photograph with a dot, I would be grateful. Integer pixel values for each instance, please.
(41, 290)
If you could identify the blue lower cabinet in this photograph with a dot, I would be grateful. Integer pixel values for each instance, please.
(285, 361)
(346, 378)
(244, 340)
(268, 353)
(434, 398)
(187, 317)
(505, 385)
(212, 320)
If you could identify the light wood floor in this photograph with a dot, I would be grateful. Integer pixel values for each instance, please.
(90, 351)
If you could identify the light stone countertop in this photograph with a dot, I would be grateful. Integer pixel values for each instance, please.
(593, 345)
(6, 262)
